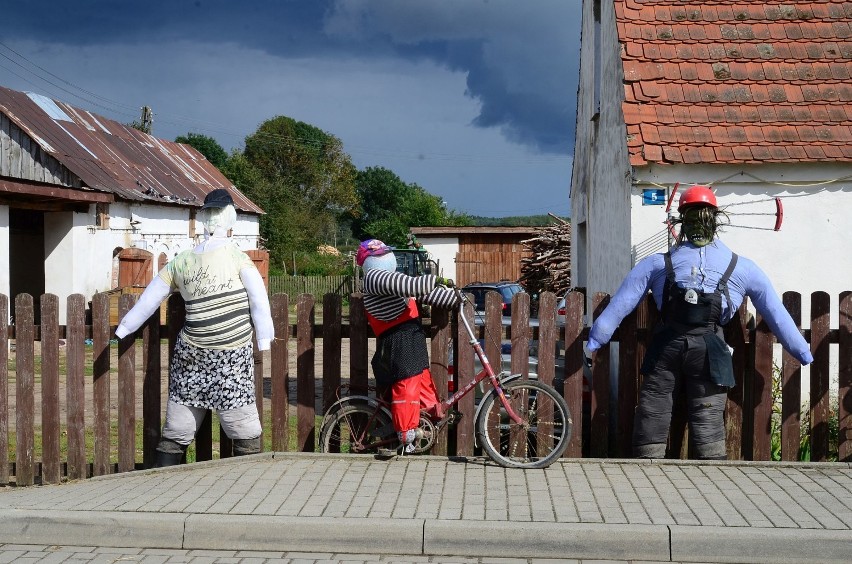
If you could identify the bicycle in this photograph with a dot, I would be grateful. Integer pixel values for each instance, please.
(519, 423)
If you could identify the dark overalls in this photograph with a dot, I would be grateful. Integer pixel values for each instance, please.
(687, 351)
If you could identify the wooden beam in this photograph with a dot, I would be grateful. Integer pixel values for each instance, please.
(53, 192)
(45, 205)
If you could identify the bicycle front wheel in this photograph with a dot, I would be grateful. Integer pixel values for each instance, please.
(542, 434)
(357, 428)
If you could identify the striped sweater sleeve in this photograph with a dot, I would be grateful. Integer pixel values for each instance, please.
(385, 283)
(441, 297)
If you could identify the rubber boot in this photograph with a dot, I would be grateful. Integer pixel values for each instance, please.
(712, 451)
(655, 450)
(243, 447)
(169, 453)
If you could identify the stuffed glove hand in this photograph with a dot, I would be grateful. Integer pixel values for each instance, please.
(441, 281)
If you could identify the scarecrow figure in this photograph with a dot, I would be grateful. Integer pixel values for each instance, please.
(213, 365)
(698, 287)
(401, 360)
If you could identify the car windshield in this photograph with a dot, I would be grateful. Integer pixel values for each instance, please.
(509, 291)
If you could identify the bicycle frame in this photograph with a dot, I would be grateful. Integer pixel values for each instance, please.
(486, 372)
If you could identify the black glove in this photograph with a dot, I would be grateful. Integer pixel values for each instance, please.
(441, 281)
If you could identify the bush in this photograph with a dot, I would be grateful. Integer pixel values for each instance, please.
(316, 264)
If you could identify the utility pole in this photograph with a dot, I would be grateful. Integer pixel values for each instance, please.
(147, 119)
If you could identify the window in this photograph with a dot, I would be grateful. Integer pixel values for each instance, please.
(102, 215)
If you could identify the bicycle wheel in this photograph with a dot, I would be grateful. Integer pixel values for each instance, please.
(357, 428)
(540, 438)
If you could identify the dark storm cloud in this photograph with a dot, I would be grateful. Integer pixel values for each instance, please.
(520, 58)
(277, 26)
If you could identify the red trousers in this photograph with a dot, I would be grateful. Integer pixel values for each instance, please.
(409, 396)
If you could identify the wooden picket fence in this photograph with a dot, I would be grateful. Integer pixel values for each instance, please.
(749, 409)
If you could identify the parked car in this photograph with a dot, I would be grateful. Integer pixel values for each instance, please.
(504, 288)
(560, 311)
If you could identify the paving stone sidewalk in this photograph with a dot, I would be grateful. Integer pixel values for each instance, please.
(605, 509)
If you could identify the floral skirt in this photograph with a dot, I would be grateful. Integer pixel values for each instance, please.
(212, 378)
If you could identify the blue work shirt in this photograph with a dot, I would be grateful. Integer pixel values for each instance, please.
(711, 261)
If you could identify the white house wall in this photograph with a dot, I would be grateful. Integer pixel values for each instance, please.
(443, 251)
(79, 256)
(813, 249)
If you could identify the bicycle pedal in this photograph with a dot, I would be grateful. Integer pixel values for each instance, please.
(454, 416)
(386, 453)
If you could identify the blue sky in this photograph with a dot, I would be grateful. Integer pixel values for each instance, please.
(474, 100)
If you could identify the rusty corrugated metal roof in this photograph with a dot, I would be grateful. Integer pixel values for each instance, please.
(111, 157)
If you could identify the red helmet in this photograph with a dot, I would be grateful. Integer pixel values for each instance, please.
(697, 195)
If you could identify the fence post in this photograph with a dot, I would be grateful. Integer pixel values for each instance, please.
(151, 385)
(820, 383)
(305, 374)
(547, 336)
(280, 373)
(493, 347)
(332, 313)
(358, 334)
(737, 337)
(627, 383)
(101, 383)
(126, 392)
(520, 343)
(520, 333)
(844, 396)
(599, 437)
(75, 392)
(50, 453)
(573, 369)
(440, 331)
(464, 373)
(791, 387)
(25, 388)
(761, 404)
(4, 389)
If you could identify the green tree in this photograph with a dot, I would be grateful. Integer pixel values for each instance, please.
(207, 146)
(302, 179)
(389, 207)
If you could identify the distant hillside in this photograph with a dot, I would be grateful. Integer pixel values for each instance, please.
(514, 221)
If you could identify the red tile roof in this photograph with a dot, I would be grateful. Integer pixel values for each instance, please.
(737, 81)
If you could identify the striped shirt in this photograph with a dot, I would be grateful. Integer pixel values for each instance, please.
(217, 305)
(386, 294)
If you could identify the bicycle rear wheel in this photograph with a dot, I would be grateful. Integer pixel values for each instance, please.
(540, 438)
(357, 428)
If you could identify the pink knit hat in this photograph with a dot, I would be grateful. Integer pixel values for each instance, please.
(371, 248)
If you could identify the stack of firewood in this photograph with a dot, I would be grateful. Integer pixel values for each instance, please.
(548, 269)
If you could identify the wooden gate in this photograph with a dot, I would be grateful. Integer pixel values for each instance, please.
(135, 268)
(260, 257)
